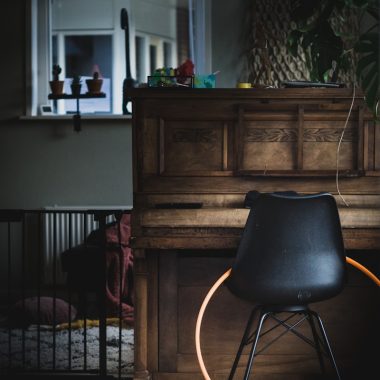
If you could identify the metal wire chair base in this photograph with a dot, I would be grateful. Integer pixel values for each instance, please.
(320, 341)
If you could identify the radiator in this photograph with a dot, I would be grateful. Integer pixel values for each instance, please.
(64, 228)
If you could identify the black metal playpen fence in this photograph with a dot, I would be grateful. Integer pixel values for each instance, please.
(66, 292)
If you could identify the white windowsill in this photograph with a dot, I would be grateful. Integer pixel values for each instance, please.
(83, 117)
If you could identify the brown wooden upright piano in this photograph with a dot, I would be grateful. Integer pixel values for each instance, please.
(197, 152)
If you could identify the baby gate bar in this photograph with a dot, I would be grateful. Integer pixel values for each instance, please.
(54, 293)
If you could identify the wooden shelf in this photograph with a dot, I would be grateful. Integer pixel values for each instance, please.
(81, 96)
(77, 116)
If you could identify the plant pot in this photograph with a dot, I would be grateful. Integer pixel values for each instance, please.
(56, 87)
(94, 85)
(75, 89)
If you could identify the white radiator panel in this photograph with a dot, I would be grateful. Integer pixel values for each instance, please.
(63, 230)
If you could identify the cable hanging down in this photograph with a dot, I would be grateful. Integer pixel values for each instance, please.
(338, 149)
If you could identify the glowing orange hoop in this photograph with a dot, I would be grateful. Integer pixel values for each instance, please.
(220, 280)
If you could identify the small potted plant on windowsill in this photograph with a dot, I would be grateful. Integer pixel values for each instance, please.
(76, 85)
(56, 85)
(94, 85)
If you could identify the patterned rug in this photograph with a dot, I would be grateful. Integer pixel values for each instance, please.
(13, 343)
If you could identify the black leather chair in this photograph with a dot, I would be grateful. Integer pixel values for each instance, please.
(291, 254)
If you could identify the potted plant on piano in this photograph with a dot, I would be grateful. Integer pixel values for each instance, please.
(56, 85)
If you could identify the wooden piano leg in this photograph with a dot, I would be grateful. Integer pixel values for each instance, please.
(141, 326)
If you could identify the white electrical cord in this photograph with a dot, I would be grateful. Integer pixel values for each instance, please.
(338, 149)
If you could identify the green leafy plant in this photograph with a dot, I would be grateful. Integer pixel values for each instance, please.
(329, 51)
(368, 46)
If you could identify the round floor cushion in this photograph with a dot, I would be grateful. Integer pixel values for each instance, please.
(46, 311)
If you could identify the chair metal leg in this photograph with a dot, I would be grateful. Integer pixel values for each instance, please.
(326, 343)
(310, 319)
(254, 345)
(243, 342)
(321, 342)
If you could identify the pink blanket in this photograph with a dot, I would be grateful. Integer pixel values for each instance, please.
(85, 270)
(119, 288)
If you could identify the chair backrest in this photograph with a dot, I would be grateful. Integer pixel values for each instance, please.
(291, 251)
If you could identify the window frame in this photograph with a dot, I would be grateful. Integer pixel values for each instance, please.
(40, 58)
(39, 51)
(158, 42)
(116, 96)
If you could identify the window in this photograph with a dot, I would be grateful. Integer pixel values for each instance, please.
(86, 35)
(141, 70)
(168, 55)
(82, 55)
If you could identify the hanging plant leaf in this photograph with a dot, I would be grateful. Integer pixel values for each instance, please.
(345, 61)
(368, 44)
(302, 10)
(364, 63)
(326, 47)
(307, 39)
(368, 68)
(372, 95)
(363, 47)
(359, 3)
(374, 12)
(370, 77)
(293, 41)
(322, 45)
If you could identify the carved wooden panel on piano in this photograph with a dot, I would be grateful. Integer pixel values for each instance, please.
(304, 139)
(269, 145)
(292, 137)
(320, 145)
(273, 146)
(189, 147)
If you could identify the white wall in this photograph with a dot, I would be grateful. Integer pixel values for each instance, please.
(228, 22)
(100, 13)
(46, 163)
(157, 17)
